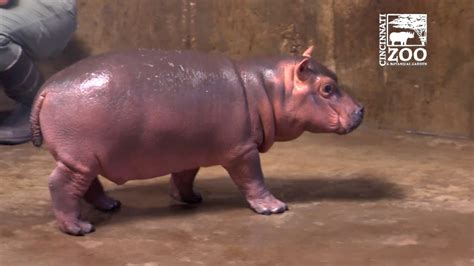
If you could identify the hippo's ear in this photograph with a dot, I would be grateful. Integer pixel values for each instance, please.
(309, 51)
(302, 70)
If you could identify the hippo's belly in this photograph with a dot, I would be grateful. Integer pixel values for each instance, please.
(167, 153)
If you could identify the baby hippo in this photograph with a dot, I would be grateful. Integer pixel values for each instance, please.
(147, 113)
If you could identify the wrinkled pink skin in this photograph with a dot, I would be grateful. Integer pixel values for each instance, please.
(146, 113)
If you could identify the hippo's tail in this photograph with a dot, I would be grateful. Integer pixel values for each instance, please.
(36, 136)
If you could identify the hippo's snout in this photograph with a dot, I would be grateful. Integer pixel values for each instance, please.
(358, 116)
(355, 120)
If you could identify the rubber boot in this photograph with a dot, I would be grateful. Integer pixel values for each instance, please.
(21, 81)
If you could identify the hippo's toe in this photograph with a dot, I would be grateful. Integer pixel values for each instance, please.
(76, 228)
(268, 205)
(107, 204)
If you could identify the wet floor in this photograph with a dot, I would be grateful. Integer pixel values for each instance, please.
(370, 198)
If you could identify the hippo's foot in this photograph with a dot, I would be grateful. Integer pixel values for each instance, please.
(75, 227)
(191, 198)
(96, 196)
(106, 204)
(267, 205)
(181, 187)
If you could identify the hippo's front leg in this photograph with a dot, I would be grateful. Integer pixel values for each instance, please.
(247, 175)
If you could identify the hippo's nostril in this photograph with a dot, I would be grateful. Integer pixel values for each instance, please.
(359, 111)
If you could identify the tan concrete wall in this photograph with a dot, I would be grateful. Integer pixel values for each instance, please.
(437, 98)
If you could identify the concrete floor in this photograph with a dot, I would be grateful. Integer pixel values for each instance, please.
(370, 198)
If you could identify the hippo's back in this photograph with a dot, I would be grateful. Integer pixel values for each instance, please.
(144, 67)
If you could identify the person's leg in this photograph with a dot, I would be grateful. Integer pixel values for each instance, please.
(29, 30)
(42, 28)
(21, 80)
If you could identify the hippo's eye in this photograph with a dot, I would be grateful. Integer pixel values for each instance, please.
(327, 89)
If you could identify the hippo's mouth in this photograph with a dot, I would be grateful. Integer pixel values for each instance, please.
(338, 128)
(341, 130)
(352, 125)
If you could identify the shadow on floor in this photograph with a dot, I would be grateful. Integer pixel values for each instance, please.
(220, 194)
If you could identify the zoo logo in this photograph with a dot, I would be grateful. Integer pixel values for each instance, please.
(402, 39)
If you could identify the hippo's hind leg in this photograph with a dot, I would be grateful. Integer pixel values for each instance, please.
(67, 187)
(96, 196)
(181, 186)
